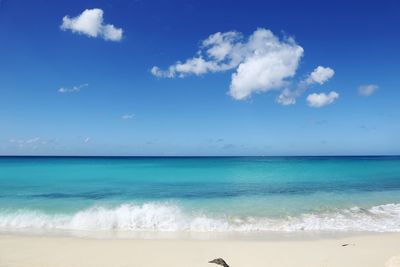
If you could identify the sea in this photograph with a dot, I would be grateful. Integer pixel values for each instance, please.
(262, 195)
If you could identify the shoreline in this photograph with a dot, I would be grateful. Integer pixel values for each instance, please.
(192, 235)
(37, 251)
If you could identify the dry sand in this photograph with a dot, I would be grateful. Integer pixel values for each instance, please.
(40, 251)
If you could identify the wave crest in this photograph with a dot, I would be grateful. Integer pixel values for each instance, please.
(170, 218)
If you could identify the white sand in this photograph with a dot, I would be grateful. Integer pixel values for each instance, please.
(36, 251)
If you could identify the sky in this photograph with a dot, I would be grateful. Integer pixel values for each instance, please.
(204, 78)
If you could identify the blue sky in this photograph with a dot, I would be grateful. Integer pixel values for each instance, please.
(72, 84)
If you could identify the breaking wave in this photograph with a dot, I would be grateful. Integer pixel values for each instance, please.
(171, 218)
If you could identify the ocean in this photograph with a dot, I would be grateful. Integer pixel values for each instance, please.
(200, 194)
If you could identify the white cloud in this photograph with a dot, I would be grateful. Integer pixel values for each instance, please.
(263, 62)
(220, 45)
(367, 90)
(271, 62)
(73, 89)
(32, 144)
(86, 140)
(127, 116)
(90, 23)
(32, 140)
(322, 99)
(28, 143)
(288, 97)
(25, 141)
(320, 75)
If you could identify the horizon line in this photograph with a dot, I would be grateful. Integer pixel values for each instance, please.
(194, 156)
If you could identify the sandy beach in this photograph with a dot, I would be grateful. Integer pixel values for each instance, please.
(40, 251)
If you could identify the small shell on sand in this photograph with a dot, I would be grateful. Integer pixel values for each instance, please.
(393, 262)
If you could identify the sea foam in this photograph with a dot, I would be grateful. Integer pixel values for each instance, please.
(171, 218)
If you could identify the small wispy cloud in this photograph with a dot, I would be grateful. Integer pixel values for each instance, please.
(90, 23)
(74, 89)
(31, 143)
(367, 90)
(32, 140)
(87, 140)
(127, 116)
(228, 146)
(25, 141)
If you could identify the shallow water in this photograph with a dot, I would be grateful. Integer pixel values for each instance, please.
(232, 194)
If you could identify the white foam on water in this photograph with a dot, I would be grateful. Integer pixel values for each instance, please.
(170, 218)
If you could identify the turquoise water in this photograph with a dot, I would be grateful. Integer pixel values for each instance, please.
(244, 194)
